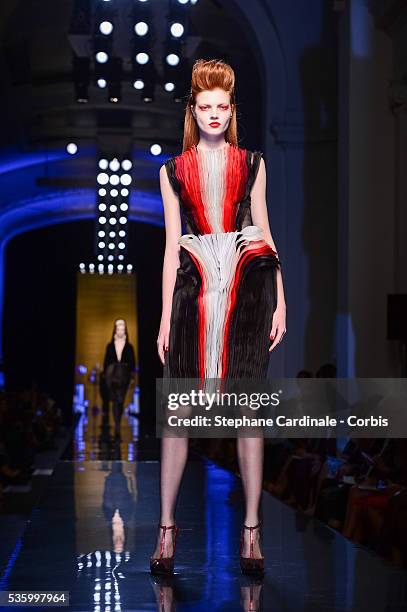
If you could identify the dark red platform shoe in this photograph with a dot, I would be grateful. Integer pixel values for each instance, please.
(161, 564)
(250, 565)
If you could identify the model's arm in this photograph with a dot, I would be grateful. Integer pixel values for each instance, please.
(260, 218)
(171, 257)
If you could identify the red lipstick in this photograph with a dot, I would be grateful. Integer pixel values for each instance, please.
(214, 124)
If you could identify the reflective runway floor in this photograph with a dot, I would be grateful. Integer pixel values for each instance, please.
(95, 527)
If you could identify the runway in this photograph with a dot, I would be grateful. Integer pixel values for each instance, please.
(95, 527)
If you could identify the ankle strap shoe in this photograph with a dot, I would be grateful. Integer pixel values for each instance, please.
(161, 564)
(250, 565)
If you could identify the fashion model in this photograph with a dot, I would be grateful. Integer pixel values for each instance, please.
(118, 369)
(223, 297)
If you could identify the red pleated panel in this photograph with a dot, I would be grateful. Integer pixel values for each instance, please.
(237, 173)
(187, 172)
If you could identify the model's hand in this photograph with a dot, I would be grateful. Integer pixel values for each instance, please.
(278, 327)
(163, 340)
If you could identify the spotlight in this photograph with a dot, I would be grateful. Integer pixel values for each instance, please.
(71, 148)
(183, 1)
(122, 220)
(102, 220)
(172, 59)
(101, 268)
(141, 28)
(102, 192)
(138, 84)
(102, 57)
(129, 267)
(114, 193)
(112, 234)
(124, 193)
(169, 86)
(102, 178)
(124, 206)
(112, 221)
(110, 257)
(101, 245)
(111, 245)
(155, 149)
(126, 165)
(121, 245)
(122, 233)
(102, 206)
(100, 257)
(106, 28)
(103, 164)
(125, 179)
(113, 208)
(101, 234)
(114, 179)
(142, 58)
(120, 267)
(121, 257)
(81, 265)
(102, 83)
(114, 165)
(177, 29)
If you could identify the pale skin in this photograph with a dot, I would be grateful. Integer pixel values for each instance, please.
(211, 105)
(120, 339)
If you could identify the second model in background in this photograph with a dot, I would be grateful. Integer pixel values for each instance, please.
(118, 371)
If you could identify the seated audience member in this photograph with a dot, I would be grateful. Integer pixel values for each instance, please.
(332, 501)
(369, 498)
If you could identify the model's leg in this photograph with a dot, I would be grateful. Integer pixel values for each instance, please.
(250, 453)
(174, 454)
(117, 408)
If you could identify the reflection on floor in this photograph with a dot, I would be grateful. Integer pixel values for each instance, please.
(95, 528)
(95, 438)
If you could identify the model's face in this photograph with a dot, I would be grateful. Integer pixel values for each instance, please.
(212, 111)
(120, 328)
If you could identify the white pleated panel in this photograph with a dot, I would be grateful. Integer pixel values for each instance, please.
(218, 254)
(212, 173)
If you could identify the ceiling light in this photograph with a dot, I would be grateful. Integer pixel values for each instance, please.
(106, 27)
(102, 57)
(72, 148)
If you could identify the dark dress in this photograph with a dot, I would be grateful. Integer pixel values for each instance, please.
(225, 291)
(117, 373)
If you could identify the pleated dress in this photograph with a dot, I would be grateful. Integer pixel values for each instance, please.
(225, 290)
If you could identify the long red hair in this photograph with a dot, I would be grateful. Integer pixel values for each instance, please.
(207, 75)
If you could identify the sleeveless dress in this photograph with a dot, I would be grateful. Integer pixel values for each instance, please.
(225, 290)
